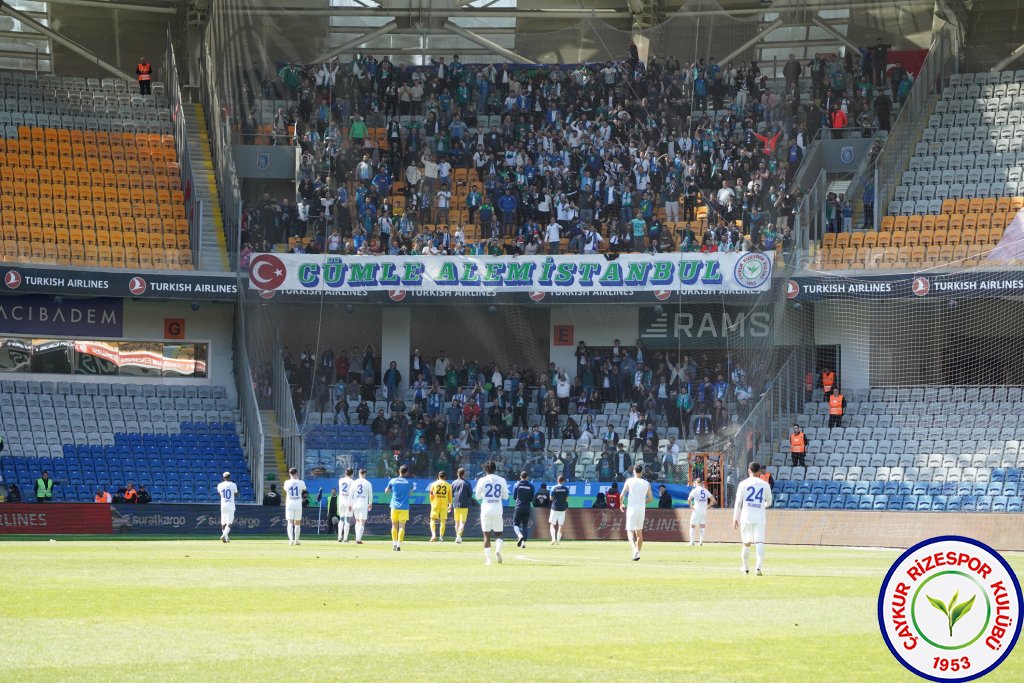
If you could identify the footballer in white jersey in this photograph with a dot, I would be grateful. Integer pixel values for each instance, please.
(492, 492)
(345, 485)
(636, 494)
(699, 500)
(753, 497)
(227, 491)
(294, 492)
(362, 503)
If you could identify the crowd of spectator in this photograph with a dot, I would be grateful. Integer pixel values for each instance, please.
(451, 408)
(616, 155)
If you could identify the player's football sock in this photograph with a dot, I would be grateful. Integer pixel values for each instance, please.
(559, 535)
(345, 528)
(744, 555)
(440, 530)
(227, 532)
(554, 535)
(401, 535)
(759, 554)
(394, 535)
(487, 555)
(291, 531)
(298, 532)
(702, 536)
(433, 530)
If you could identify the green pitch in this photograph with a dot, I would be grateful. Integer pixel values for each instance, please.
(198, 610)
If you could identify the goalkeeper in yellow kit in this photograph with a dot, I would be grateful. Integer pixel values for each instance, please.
(440, 505)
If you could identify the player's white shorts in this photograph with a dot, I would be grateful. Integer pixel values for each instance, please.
(752, 533)
(343, 511)
(557, 517)
(698, 517)
(227, 514)
(293, 512)
(492, 521)
(635, 519)
(360, 512)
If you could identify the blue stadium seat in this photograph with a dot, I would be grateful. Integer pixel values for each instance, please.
(1000, 504)
(881, 502)
(953, 503)
(1014, 505)
(910, 503)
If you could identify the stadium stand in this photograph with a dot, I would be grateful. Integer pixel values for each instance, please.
(175, 439)
(911, 448)
(89, 175)
(496, 134)
(962, 189)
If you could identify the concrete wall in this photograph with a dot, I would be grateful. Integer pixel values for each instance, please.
(846, 324)
(595, 325)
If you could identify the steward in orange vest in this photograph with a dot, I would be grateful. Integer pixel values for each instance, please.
(798, 446)
(767, 478)
(828, 381)
(836, 407)
(144, 71)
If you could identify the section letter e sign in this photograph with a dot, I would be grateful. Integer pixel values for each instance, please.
(949, 609)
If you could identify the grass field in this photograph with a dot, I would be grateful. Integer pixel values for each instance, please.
(261, 610)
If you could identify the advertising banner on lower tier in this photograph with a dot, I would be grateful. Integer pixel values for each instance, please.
(966, 284)
(169, 284)
(56, 518)
(190, 520)
(595, 274)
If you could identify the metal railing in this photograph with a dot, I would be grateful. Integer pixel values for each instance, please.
(193, 204)
(809, 217)
(252, 422)
(760, 434)
(219, 127)
(284, 409)
(942, 61)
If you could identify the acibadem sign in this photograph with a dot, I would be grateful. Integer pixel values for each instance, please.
(683, 273)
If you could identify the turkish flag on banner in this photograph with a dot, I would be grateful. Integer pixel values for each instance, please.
(911, 60)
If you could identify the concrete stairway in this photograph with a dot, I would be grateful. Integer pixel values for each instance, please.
(275, 468)
(212, 243)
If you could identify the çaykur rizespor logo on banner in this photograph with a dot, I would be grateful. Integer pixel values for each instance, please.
(753, 270)
(949, 609)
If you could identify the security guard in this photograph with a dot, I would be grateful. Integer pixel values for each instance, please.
(145, 73)
(797, 446)
(767, 478)
(44, 488)
(836, 407)
(828, 381)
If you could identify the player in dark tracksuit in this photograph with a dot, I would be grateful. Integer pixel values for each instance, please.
(462, 498)
(522, 494)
